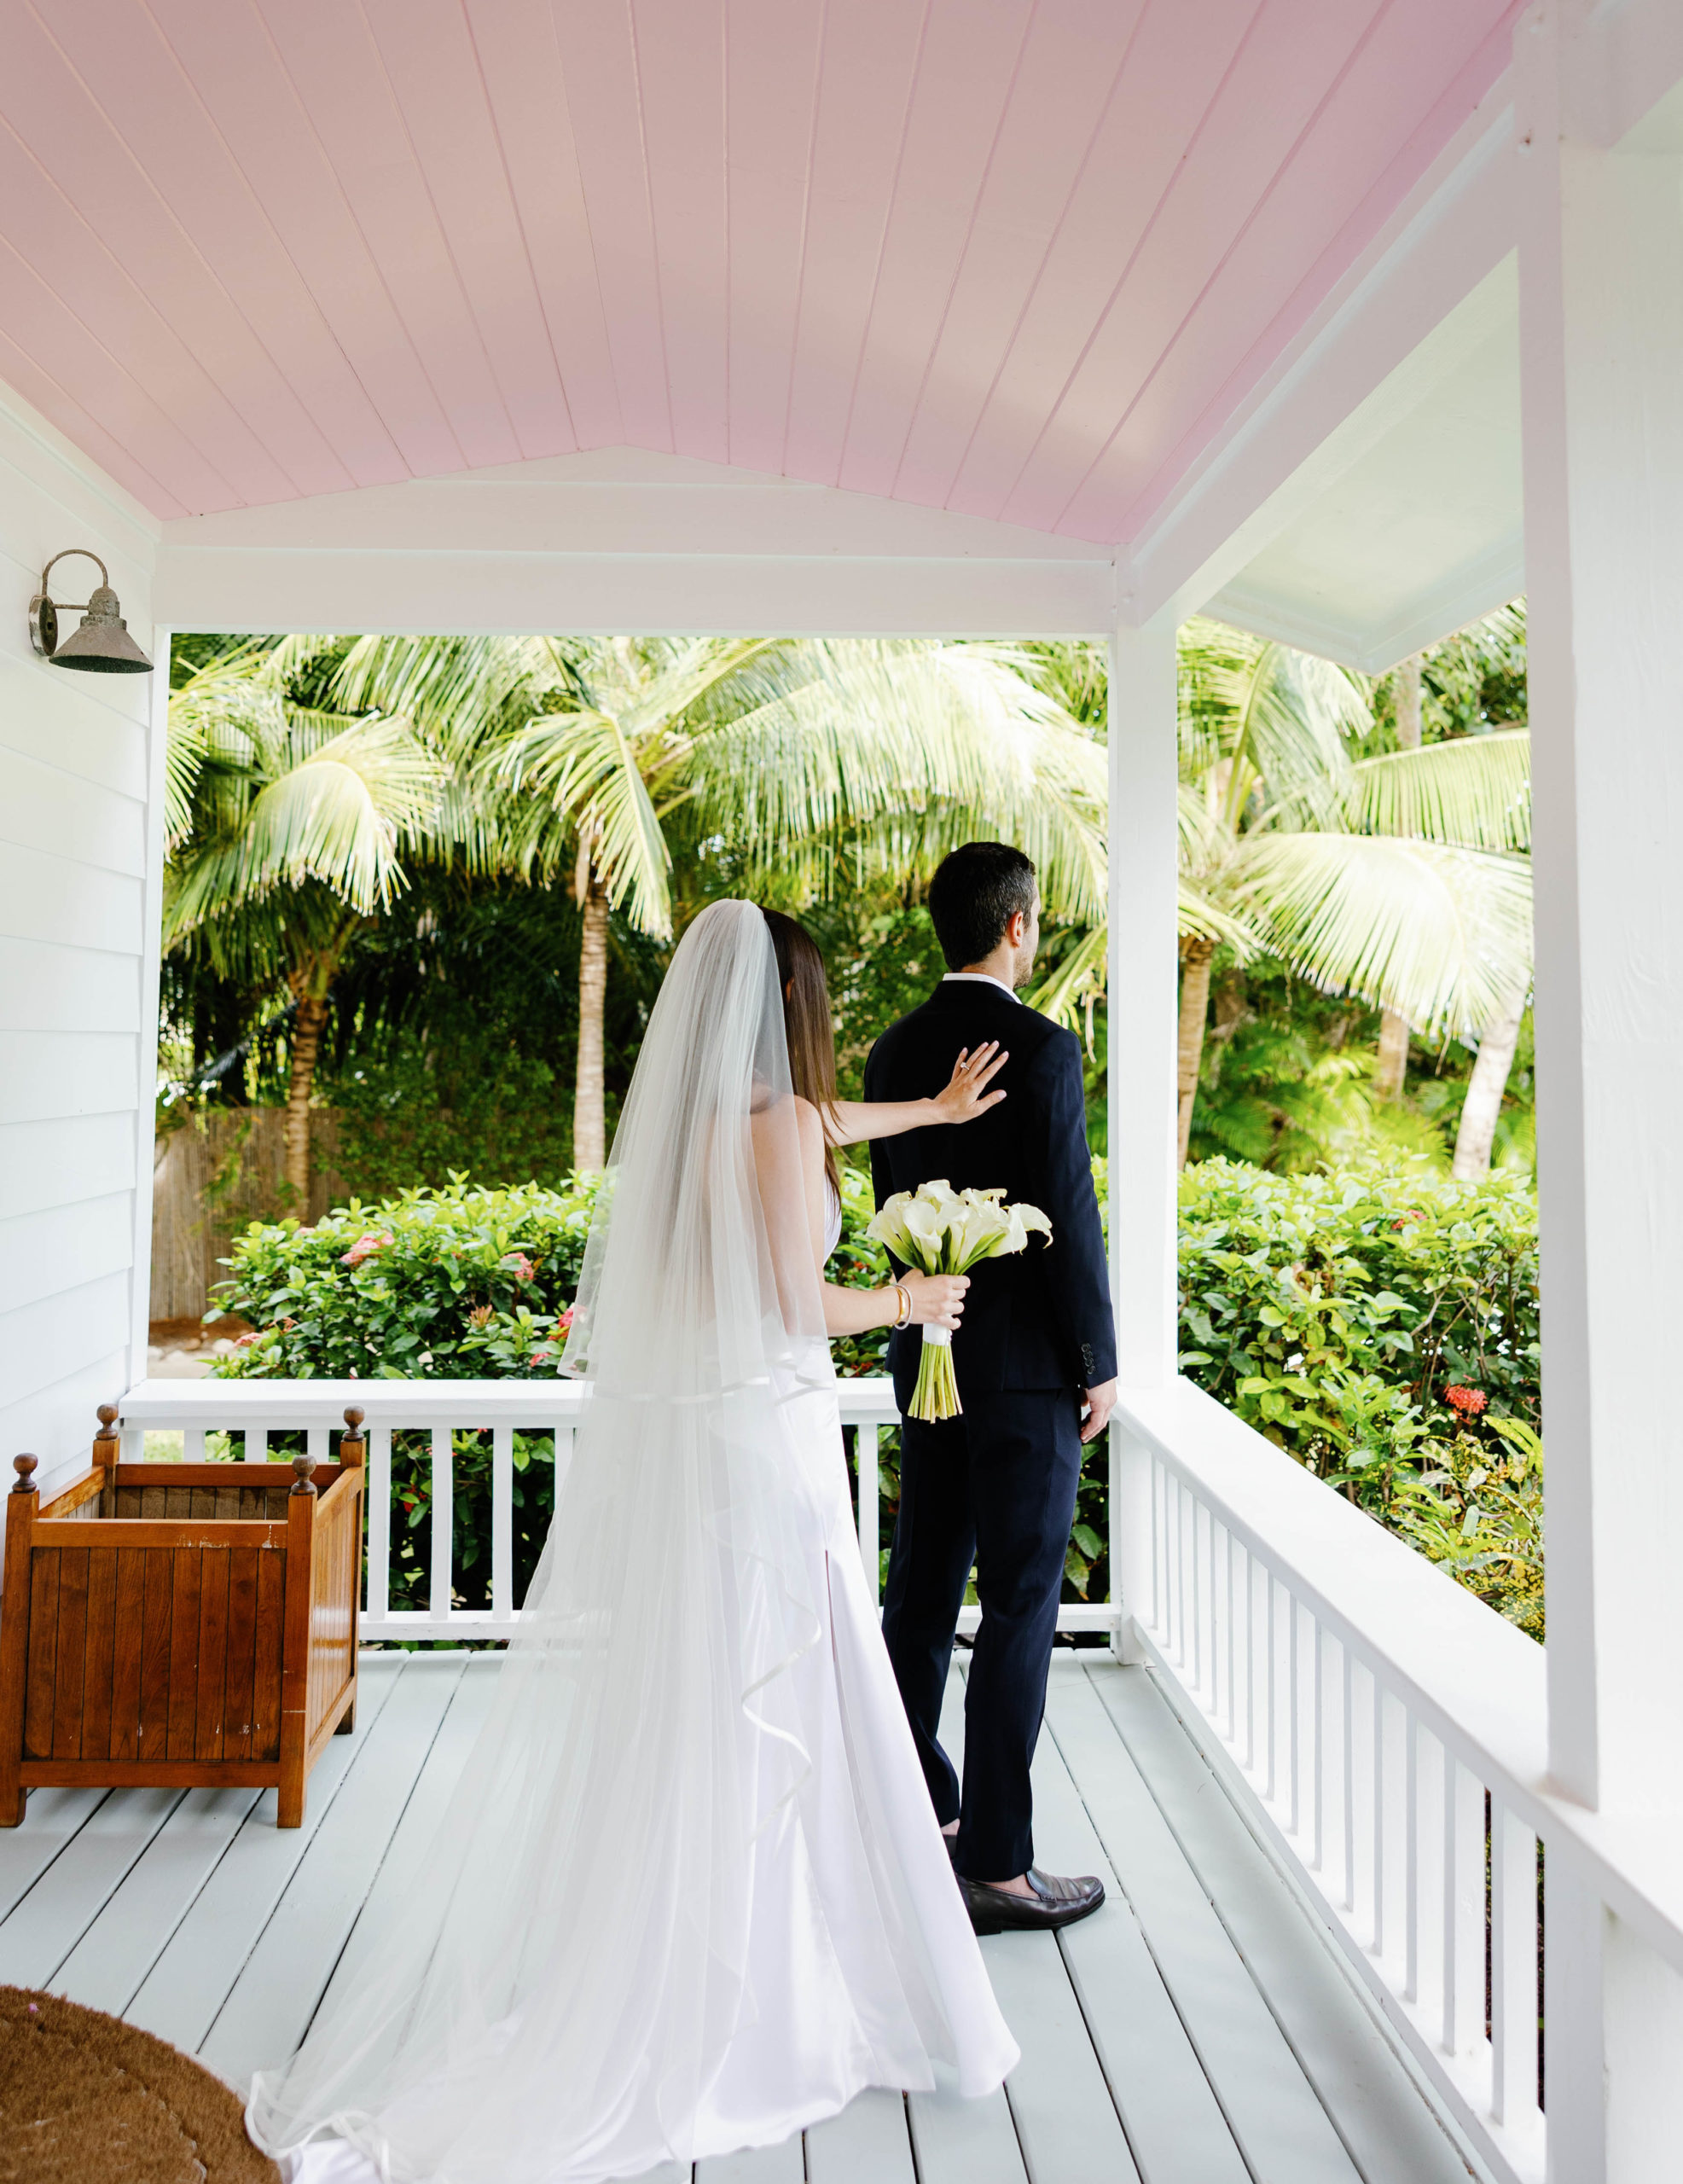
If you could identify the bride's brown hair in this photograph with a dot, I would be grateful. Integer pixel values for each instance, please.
(807, 1023)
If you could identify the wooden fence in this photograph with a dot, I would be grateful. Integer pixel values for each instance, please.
(215, 1173)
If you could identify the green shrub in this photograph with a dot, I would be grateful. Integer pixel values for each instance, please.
(1334, 1313)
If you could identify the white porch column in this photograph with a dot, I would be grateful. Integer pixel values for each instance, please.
(1601, 266)
(1140, 1013)
(1601, 281)
(1140, 1006)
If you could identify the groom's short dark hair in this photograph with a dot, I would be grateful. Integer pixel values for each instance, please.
(976, 892)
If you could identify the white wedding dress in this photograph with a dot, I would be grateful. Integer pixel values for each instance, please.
(691, 1896)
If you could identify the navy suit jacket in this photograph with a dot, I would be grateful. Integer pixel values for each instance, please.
(1040, 1318)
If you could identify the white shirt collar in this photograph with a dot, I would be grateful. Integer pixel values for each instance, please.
(976, 979)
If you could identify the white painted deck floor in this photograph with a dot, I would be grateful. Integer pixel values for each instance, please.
(1198, 2030)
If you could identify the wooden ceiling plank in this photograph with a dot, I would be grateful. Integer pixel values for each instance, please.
(1368, 150)
(1057, 102)
(771, 78)
(680, 69)
(433, 69)
(516, 44)
(965, 85)
(600, 71)
(337, 71)
(38, 322)
(1174, 66)
(229, 56)
(1288, 66)
(52, 105)
(21, 372)
(870, 55)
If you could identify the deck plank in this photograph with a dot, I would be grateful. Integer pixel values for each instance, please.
(869, 2143)
(1272, 2109)
(1176, 2132)
(180, 1996)
(51, 1819)
(780, 2164)
(276, 1993)
(1066, 2120)
(403, 1866)
(46, 1925)
(106, 1966)
(1392, 2133)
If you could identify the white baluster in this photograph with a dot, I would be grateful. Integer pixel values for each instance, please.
(1318, 1789)
(1347, 1744)
(870, 1506)
(1391, 1824)
(1233, 1657)
(502, 1522)
(1513, 1968)
(257, 1444)
(1423, 1975)
(1197, 1600)
(563, 1446)
(193, 1445)
(439, 1601)
(379, 1523)
(316, 1441)
(1463, 1909)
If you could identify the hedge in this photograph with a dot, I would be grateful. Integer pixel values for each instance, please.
(1380, 1327)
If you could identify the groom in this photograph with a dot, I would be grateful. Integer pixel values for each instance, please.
(1036, 1364)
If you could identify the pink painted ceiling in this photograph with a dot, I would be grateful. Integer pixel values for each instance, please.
(1016, 257)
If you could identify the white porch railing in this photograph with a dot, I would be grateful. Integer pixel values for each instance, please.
(249, 1411)
(1381, 1726)
(1389, 1734)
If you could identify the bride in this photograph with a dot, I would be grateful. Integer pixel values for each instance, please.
(690, 1894)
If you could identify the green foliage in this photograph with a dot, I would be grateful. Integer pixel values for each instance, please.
(1381, 1327)
(457, 1284)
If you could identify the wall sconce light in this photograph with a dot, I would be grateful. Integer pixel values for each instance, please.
(102, 645)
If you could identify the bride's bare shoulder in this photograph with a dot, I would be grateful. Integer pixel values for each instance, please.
(808, 1126)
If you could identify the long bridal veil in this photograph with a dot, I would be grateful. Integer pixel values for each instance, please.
(573, 1964)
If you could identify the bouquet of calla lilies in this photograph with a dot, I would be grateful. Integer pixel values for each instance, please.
(940, 1230)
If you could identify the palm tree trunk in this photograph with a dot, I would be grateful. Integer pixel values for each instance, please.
(1485, 1088)
(590, 1126)
(308, 1024)
(1195, 961)
(1392, 1066)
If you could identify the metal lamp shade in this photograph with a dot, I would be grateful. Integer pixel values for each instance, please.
(102, 645)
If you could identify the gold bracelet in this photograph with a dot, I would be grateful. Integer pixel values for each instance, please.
(904, 1313)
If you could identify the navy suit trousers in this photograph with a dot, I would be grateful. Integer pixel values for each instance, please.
(994, 1487)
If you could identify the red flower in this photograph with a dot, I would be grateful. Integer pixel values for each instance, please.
(564, 1321)
(366, 1247)
(1469, 1402)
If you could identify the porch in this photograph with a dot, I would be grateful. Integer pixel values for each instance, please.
(1197, 2031)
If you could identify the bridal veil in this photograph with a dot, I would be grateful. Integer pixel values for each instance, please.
(573, 1968)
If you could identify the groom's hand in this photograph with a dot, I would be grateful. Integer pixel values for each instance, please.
(1100, 1402)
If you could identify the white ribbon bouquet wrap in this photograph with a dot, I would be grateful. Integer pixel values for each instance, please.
(940, 1230)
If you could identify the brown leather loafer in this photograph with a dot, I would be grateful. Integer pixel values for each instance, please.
(1055, 1902)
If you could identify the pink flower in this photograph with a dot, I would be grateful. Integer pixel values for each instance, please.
(1469, 1402)
(518, 1265)
(244, 1341)
(563, 1322)
(366, 1247)
(479, 1317)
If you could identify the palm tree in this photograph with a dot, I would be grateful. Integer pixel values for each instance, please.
(283, 825)
(789, 757)
(1398, 878)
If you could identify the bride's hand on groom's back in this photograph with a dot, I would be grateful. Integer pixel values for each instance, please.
(966, 1095)
(937, 1299)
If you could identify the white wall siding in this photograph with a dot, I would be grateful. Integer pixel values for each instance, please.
(76, 1047)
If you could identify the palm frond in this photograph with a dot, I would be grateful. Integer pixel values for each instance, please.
(1440, 934)
(1473, 790)
(577, 774)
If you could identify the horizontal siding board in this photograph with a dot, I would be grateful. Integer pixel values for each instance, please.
(64, 1247)
(63, 1161)
(45, 807)
(48, 714)
(57, 1422)
(43, 1343)
(64, 899)
(50, 491)
(44, 1075)
(45, 987)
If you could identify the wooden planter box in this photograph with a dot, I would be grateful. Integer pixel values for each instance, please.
(180, 1625)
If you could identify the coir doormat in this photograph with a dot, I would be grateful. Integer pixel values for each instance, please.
(85, 2099)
